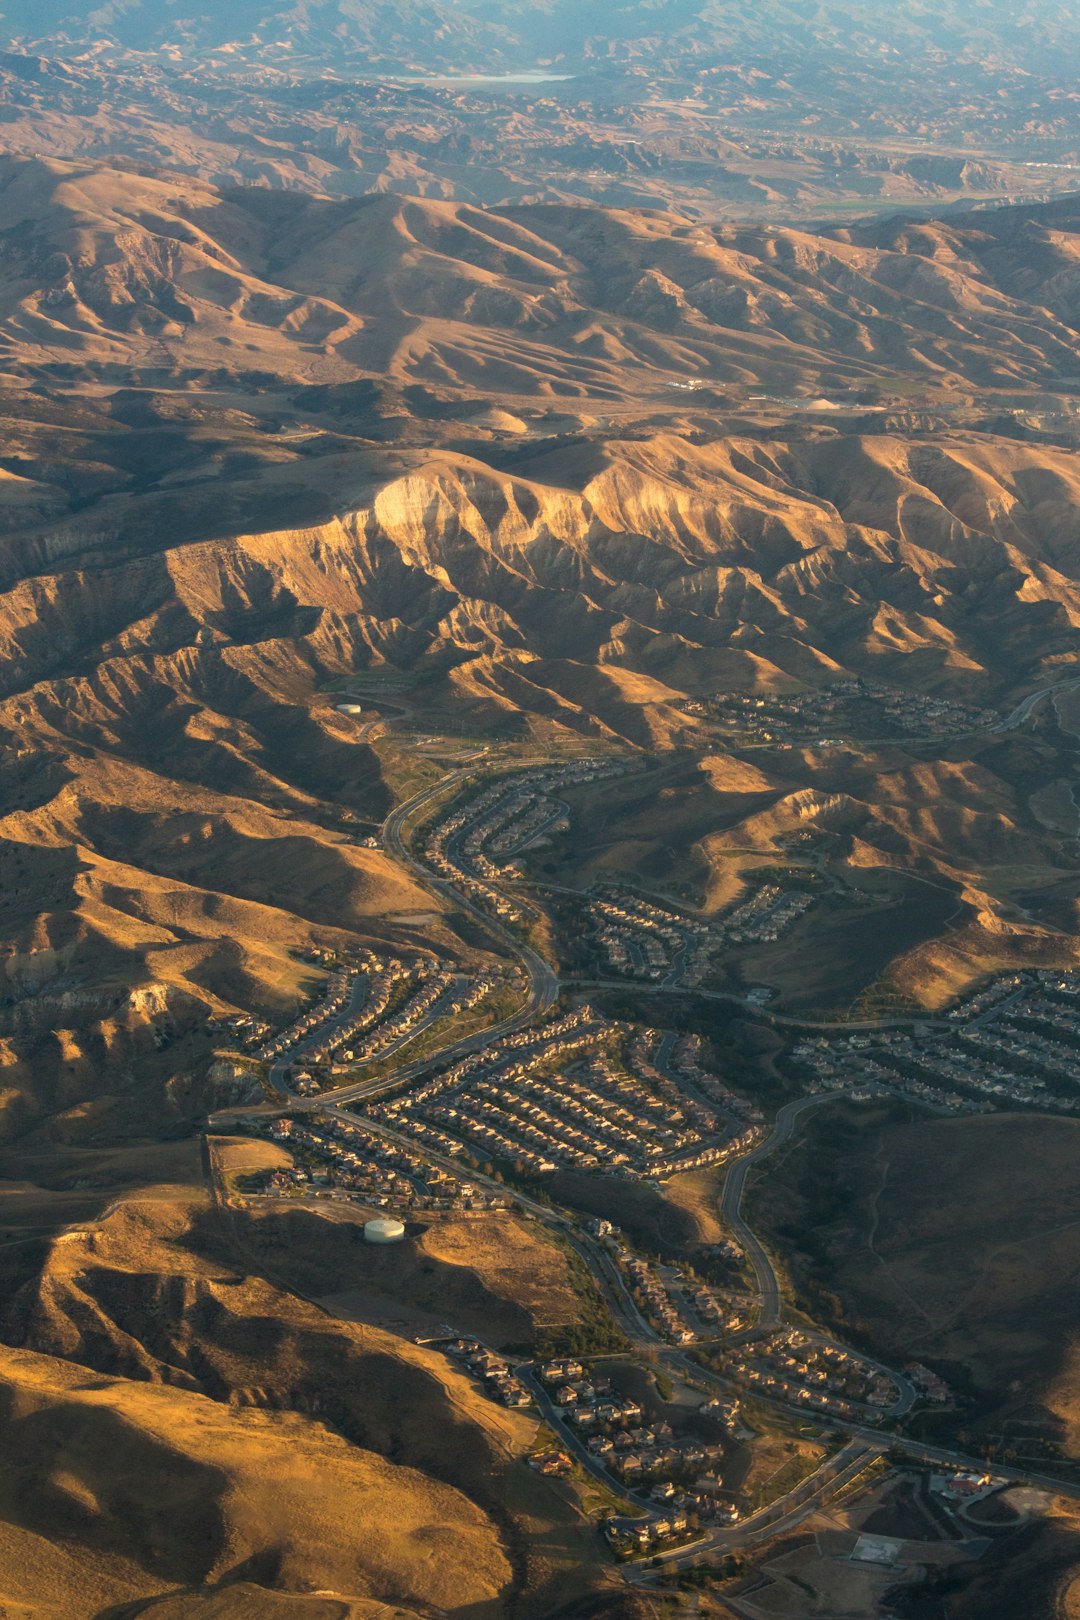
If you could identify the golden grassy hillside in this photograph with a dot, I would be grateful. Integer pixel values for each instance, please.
(257, 443)
(176, 776)
(568, 301)
(497, 1276)
(207, 1492)
(169, 1330)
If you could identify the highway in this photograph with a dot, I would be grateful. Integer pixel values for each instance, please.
(1026, 709)
(848, 1026)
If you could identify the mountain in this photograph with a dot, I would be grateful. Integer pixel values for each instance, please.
(164, 278)
(257, 442)
(485, 34)
(773, 111)
(556, 474)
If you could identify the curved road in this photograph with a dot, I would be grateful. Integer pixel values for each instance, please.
(355, 1006)
(646, 987)
(768, 1283)
(544, 987)
(543, 991)
(543, 981)
(772, 1520)
(1025, 709)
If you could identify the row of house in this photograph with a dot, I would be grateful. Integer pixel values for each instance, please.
(378, 1173)
(843, 709)
(687, 1063)
(762, 918)
(376, 1034)
(639, 937)
(336, 996)
(497, 819)
(491, 1370)
(561, 1096)
(805, 1370)
(1021, 1048)
(463, 1102)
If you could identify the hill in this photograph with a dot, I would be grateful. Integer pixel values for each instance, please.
(158, 1335)
(116, 276)
(915, 1252)
(255, 444)
(205, 1489)
(770, 111)
(553, 475)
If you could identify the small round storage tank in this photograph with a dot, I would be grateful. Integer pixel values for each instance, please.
(383, 1230)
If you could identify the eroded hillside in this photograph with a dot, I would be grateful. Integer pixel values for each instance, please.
(546, 478)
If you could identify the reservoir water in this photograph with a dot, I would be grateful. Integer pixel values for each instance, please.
(484, 81)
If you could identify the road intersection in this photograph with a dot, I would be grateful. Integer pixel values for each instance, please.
(544, 986)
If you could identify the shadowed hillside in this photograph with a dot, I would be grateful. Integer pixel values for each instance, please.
(511, 481)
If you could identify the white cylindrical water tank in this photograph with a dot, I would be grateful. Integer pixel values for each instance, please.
(350, 708)
(383, 1230)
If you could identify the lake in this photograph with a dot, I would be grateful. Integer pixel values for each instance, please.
(443, 81)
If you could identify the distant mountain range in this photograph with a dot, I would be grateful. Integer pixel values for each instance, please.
(907, 37)
(543, 416)
(778, 110)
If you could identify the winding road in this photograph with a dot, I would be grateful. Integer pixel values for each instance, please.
(543, 980)
(768, 1284)
(864, 1443)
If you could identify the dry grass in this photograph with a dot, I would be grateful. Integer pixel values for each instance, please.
(203, 1486)
(513, 1260)
(780, 1460)
(206, 1372)
(698, 1193)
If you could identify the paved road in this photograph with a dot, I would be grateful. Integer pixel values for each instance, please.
(768, 1284)
(432, 1016)
(777, 1517)
(560, 813)
(663, 1062)
(673, 978)
(543, 991)
(1026, 709)
(543, 981)
(680, 1364)
(847, 1026)
(296, 1054)
(950, 1458)
(571, 1441)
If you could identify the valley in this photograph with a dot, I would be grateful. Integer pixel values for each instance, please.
(539, 783)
